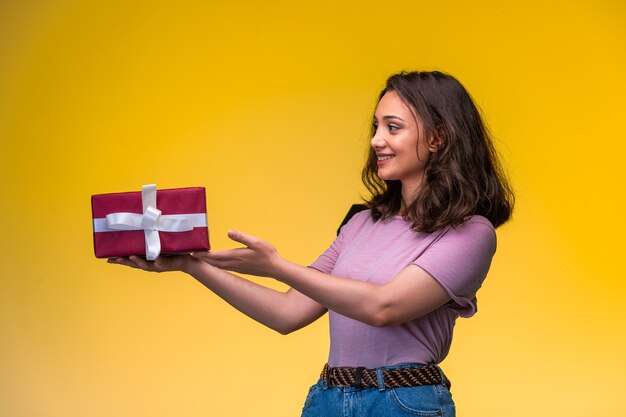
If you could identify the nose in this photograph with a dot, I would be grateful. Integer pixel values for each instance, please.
(378, 141)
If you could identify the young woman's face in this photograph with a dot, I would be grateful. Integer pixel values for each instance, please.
(401, 155)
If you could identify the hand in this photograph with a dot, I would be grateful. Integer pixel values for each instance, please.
(258, 258)
(162, 264)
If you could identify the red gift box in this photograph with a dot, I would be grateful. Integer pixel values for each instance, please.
(150, 222)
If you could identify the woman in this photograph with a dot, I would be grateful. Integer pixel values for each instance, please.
(399, 274)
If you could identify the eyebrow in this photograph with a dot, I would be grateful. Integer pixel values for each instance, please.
(391, 117)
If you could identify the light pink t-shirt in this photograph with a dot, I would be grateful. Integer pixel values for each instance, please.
(457, 258)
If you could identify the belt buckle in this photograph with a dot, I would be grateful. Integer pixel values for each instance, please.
(358, 375)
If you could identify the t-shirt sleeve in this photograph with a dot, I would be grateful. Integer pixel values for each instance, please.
(459, 261)
(326, 261)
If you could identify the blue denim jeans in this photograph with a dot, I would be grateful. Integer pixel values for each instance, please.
(425, 400)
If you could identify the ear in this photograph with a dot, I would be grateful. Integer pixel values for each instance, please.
(436, 141)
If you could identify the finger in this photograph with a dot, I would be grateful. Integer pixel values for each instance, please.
(201, 254)
(205, 256)
(225, 255)
(142, 263)
(222, 259)
(161, 265)
(168, 263)
(122, 261)
(219, 263)
(248, 240)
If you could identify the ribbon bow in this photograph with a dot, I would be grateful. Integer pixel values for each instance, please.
(151, 222)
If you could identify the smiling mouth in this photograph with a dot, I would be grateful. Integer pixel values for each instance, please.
(384, 157)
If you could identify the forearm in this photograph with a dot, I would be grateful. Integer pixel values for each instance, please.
(267, 306)
(358, 300)
(412, 293)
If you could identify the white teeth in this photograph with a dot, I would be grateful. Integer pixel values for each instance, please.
(385, 157)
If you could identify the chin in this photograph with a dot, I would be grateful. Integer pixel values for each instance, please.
(385, 177)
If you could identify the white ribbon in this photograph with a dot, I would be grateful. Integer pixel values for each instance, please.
(151, 222)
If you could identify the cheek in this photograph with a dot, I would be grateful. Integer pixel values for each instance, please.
(422, 153)
(410, 140)
(411, 150)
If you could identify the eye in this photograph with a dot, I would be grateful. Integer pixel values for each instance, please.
(393, 128)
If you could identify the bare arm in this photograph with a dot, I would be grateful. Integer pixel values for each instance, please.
(411, 294)
(283, 312)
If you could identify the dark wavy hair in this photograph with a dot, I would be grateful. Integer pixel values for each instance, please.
(463, 176)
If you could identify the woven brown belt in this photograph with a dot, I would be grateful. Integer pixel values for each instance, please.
(392, 377)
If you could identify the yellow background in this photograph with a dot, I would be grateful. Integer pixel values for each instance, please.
(267, 105)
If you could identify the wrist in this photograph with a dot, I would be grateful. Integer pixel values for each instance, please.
(283, 270)
(191, 265)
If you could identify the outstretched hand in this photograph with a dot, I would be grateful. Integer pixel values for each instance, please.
(162, 264)
(257, 258)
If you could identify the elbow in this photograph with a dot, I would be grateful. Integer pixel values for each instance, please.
(381, 319)
(386, 313)
(380, 311)
(286, 328)
(381, 316)
(390, 317)
(284, 331)
(386, 319)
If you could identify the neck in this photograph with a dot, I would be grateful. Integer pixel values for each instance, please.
(409, 194)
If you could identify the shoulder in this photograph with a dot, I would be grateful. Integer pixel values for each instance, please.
(476, 230)
(358, 218)
(360, 222)
(475, 224)
(363, 215)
